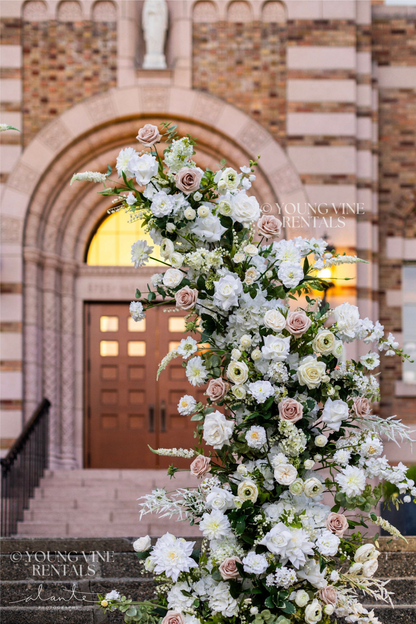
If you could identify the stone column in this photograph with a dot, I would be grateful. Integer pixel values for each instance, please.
(67, 382)
(51, 350)
(180, 43)
(32, 349)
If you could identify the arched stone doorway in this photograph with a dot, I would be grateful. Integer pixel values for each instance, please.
(59, 219)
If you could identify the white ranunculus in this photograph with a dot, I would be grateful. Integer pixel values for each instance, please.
(209, 228)
(166, 248)
(301, 598)
(172, 278)
(245, 209)
(237, 372)
(143, 168)
(313, 612)
(338, 349)
(290, 274)
(275, 320)
(217, 430)
(324, 342)
(310, 372)
(321, 440)
(254, 563)
(176, 260)
(227, 180)
(248, 490)
(347, 317)
(142, 544)
(334, 413)
(227, 291)
(285, 474)
(276, 348)
(313, 487)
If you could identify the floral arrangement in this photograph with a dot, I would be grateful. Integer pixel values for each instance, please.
(287, 418)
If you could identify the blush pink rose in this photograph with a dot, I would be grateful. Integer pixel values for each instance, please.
(186, 298)
(361, 406)
(173, 617)
(269, 226)
(290, 410)
(328, 595)
(188, 180)
(337, 523)
(297, 323)
(228, 569)
(200, 466)
(148, 135)
(217, 389)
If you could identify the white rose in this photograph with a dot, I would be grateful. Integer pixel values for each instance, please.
(142, 544)
(217, 430)
(313, 487)
(276, 348)
(275, 320)
(256, 355)
(220, 499)
(301, 598)
(246, 210)
(176, 260)
(329, 609)
(237, 372)
(189, 214)
(149, 565)
(143, 168)
(313, 612)
(321, 440)
(245, 341)
(227, 291)
(347, 317)
(311, 372)
(285, 474)
(203, 212)
(334, 413)
(324, 342)
(172, 278)
(309, 464)
(370, 568)
(235, 354)
(209, 228)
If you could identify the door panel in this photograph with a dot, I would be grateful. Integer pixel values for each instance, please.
(126, 409)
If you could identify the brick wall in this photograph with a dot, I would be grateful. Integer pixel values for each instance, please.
(244, 64)
(64, 63)
(393, 46)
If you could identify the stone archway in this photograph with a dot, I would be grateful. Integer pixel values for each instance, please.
(53, 222)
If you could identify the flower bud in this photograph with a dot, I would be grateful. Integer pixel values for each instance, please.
(203, 212)
(245, 341)
(321, 440)
(329, 609)
(309, 464)
(189, 214)
(235, 354)
(256, 355)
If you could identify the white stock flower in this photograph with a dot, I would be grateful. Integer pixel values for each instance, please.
(130, 199)
(142, 544)
(208, 229)
(215, 525)
(256, 437)
(217, 430)
(136, 311)
(254, 563)
(290, 274)
(334, 413)
(351, 481)
(196, 372)
(172, 278)
(245, 209)
(113, 595)
(143, 168)
(187, 405)
(227, 291)
(348, 322)
(285, 474)
(172, 556)
(276, 348)
(275, 320)
(261, 390)
(140, 252)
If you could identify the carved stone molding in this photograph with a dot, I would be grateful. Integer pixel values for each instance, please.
(154, 99)
(104, 11)
(207, 108)
(205, 12)
(55, 135)
(23, 179)
(286, 180)
(101, 108)
(239, 11)
(35, 11)
(253, 137)
(69, 11)
(11, 229)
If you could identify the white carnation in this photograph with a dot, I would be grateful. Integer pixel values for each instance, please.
(187, 405)
(254, 563)
(261, 390)
(256, 437)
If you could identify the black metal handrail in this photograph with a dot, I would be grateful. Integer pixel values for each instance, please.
(23, 467)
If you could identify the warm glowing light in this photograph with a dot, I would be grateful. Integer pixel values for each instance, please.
(111, 244)
(325, 274)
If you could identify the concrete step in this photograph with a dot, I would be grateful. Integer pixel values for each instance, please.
(108, 529)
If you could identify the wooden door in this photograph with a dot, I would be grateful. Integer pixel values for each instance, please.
(126, 409)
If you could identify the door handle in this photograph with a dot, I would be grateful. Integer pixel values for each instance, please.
(151, 418)
(163, 416)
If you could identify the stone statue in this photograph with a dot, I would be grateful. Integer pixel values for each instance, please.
(155, 24)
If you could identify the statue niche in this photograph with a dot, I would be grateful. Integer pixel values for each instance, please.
(155, 24)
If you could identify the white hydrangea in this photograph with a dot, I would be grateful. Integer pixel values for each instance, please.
(221, 601)
(177, 600)
(290, 274)
(283, 577)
